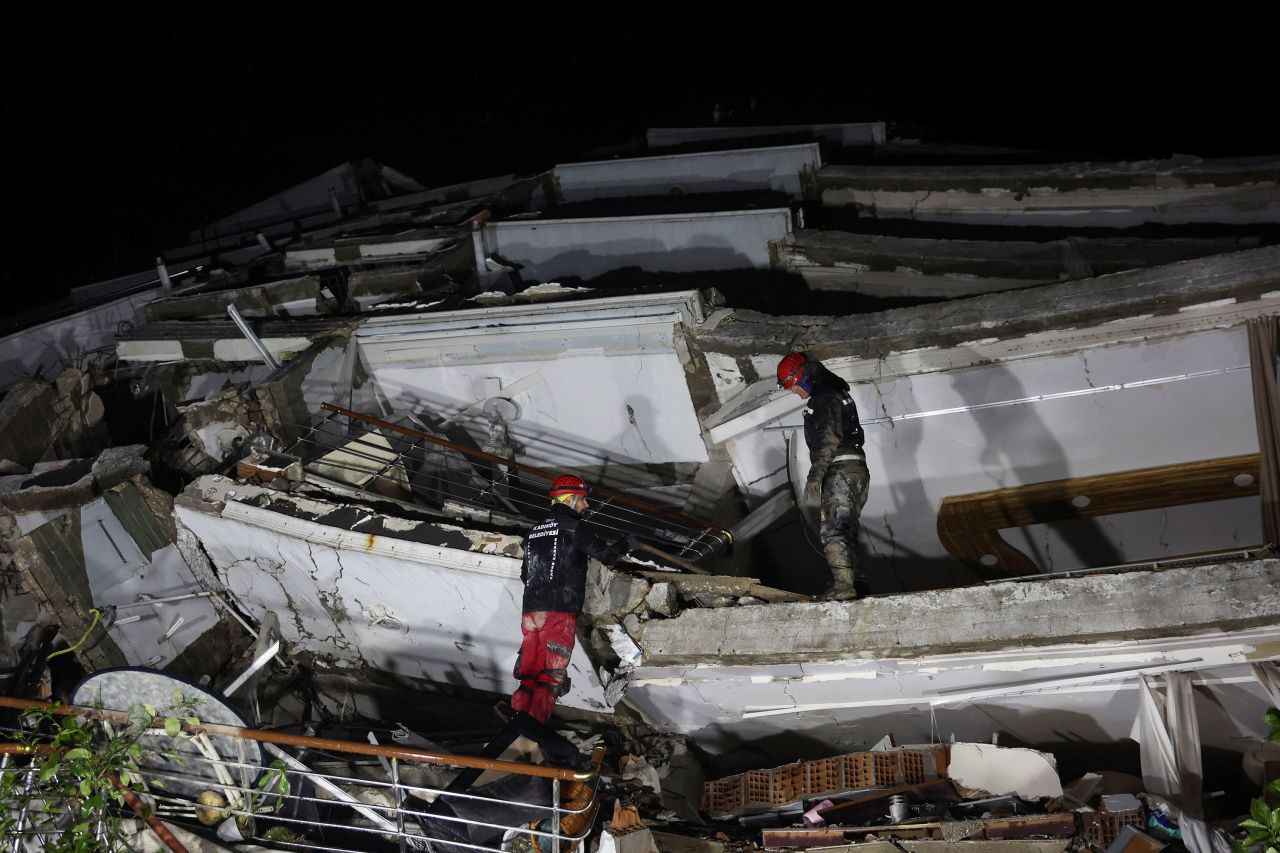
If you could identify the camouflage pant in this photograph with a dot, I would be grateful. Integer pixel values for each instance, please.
(844, 493)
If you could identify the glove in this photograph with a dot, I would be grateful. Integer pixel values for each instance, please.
(811, 499)
(633, 542)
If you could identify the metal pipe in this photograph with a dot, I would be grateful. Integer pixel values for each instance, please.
(162, 832)
(320, 782)
(163, 272)
(139, 808)
(477, 248)
(252, 338)
(555, 815)
(306, 742)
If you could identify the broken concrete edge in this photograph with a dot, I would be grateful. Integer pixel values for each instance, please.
(285, 411)
(260, 300)
(1043, 262)
(24, 492)
(310, 511)
(1014, 615)
(1172, 173)
(1243, 277)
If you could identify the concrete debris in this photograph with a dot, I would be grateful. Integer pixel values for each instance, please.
(636, 769)
(25, 414)
(88, 559)
(629, 654)
(43, 421)
(611, 593)
(998, 770)
(267, 468)
(72, 482)
(639, 840)
(218, 429)
(662, 599)
(394, 567)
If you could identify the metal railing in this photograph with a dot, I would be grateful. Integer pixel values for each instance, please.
(378, 797)
(437, 470)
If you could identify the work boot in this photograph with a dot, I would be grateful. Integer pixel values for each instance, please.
(843, 586)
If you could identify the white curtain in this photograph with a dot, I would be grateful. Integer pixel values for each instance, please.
(1169, 734)
(1268, 674)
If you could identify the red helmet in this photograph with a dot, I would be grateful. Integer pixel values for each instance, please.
(791, 370)
(567, 484)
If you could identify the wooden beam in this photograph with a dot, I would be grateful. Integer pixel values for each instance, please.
(969, 525)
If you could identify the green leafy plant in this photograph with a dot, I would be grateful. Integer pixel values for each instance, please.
(267, 797)
(74, 791)
(1262, 827)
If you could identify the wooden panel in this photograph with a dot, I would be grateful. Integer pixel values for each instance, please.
(969, 525)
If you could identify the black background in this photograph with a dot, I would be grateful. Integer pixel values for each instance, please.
(127, 132)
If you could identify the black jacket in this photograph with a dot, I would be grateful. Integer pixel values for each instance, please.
(831, 426)
(555, 561)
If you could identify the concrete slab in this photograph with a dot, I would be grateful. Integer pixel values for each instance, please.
(1224, 597)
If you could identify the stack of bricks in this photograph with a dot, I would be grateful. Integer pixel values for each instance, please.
(759, 791)
(1102, 827)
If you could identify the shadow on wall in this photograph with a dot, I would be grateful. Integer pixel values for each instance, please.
(770, 291)
(1020, 449)
(893, 566)
(708, 252)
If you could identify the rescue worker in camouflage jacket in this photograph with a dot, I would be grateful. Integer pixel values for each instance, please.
(838, 477)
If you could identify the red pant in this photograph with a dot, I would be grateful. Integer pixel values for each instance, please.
(542, 667)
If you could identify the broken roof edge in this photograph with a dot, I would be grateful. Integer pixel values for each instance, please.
(1246, 167)
(761, 402)
(689, 302)
(1005, 616)
(317, 520)
(683, 156)
(1244, 277)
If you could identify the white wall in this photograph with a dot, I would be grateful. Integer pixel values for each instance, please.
(603, 381)
(777, 169)
(57, 343)
(355, 607)
(916, 463)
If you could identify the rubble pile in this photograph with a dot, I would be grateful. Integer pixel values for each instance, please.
(914, 797)
(45, 421)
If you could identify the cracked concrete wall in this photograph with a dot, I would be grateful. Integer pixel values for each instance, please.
(376, 596)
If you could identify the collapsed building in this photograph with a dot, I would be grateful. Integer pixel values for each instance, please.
(323, 427)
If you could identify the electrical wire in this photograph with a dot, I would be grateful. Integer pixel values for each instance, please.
(97, 615)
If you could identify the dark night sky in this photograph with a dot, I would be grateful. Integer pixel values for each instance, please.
(129, 133)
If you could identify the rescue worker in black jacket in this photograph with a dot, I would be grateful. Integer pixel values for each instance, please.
(554, 573)
(838, 477)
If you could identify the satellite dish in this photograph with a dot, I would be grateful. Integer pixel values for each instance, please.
(120, 689)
